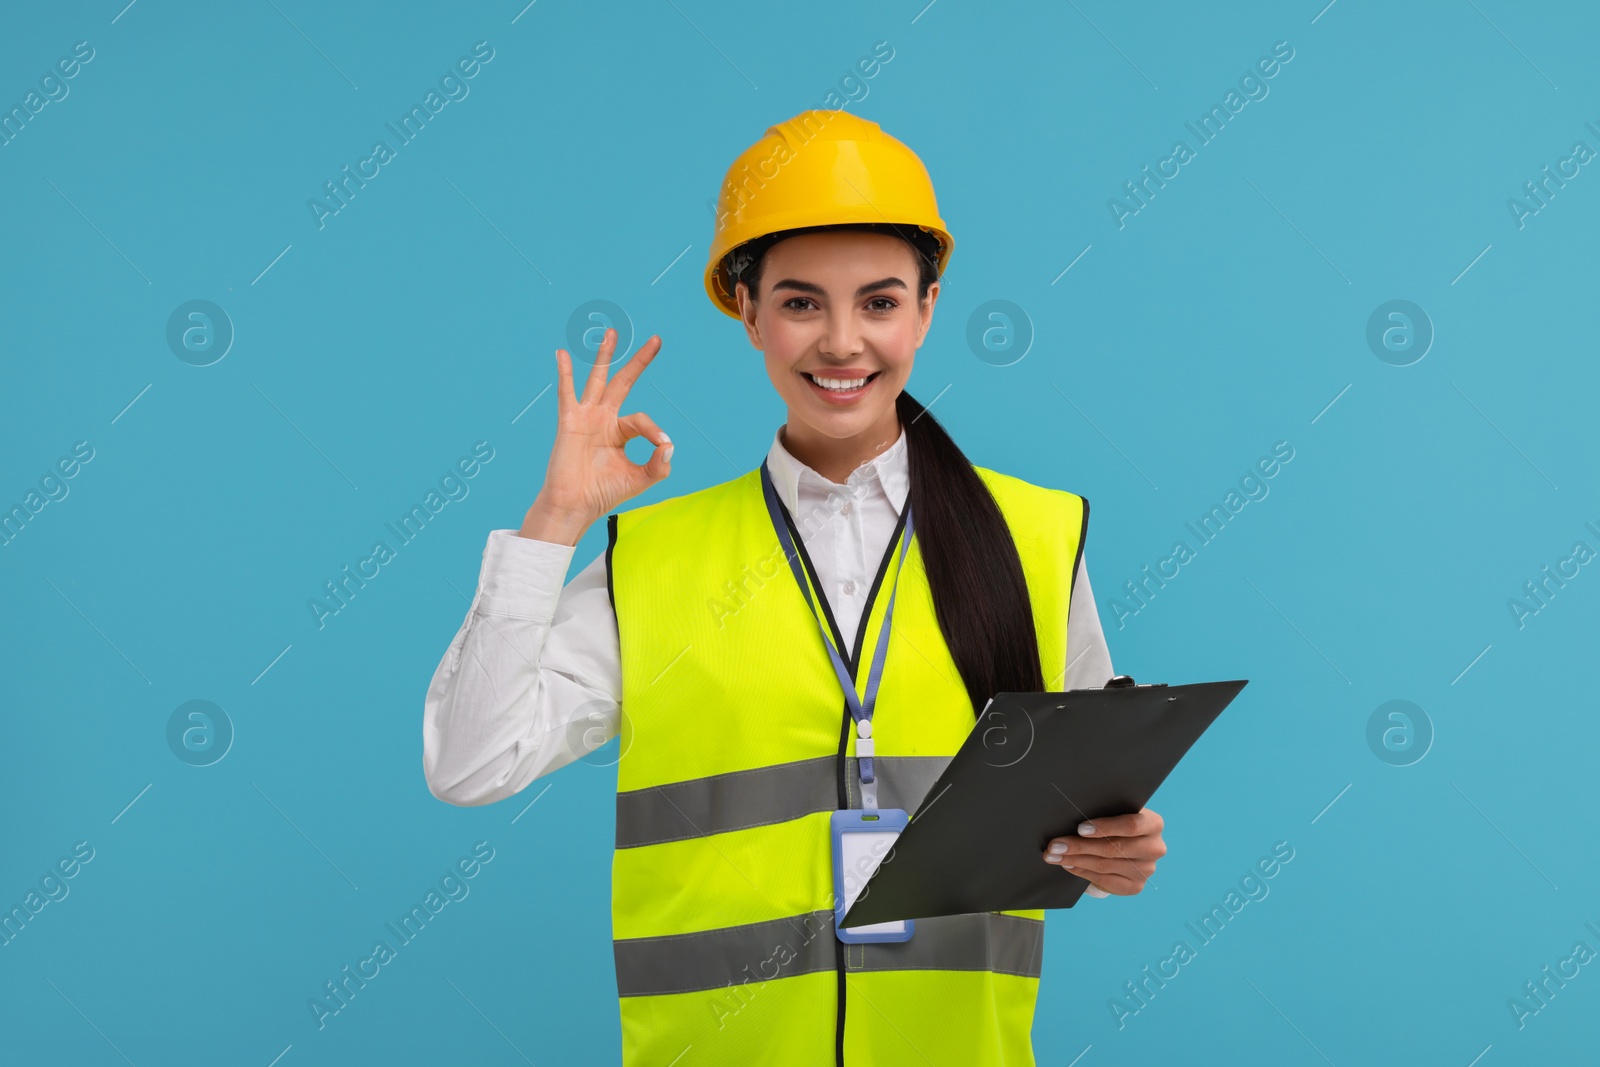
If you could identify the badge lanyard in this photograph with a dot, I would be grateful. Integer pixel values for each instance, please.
(860, 708)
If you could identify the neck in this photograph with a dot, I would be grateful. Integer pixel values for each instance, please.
(836, 457)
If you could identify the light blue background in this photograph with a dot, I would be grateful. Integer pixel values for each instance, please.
(1224, 317)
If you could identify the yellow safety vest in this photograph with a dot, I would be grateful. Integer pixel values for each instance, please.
(736, 746)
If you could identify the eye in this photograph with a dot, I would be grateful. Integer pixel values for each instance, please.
(892, 303)
(792, 300)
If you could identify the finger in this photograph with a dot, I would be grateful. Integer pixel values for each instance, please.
(639, 424)
(1111, 882)
(616, 390)
(565, 397)
(1094, 866)
(660, 464)
(595, 386)
(1119, 882)
(1115, 884)
(1126, 864)
(1143, 821)
(1152, 847)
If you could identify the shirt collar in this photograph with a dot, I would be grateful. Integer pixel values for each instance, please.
(889, 472)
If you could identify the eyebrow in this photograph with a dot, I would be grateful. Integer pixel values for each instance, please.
(808, 287)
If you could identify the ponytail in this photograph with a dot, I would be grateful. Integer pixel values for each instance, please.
(980, 595)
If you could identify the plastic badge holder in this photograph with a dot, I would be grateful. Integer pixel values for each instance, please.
(861, 840)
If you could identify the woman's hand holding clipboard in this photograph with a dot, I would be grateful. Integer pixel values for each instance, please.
(1034, 767)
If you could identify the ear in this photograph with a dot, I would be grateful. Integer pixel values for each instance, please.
(926, 312)
(747, 313)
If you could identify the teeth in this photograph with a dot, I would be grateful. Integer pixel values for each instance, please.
(841, 384)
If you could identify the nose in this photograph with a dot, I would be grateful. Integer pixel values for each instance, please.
(842, 338)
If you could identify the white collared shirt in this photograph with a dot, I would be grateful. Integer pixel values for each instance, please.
(533, 678)
(846, 528)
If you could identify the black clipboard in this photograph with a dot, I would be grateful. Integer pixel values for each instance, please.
(1034, 766)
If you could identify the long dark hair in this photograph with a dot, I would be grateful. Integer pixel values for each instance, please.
(980, 595)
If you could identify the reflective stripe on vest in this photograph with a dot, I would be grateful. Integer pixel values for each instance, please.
(735, 748)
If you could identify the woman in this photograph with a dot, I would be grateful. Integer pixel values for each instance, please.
(741, 737)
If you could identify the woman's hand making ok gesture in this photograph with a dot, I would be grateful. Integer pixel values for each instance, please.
(589, 473)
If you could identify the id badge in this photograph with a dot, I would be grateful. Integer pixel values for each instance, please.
(861, 839)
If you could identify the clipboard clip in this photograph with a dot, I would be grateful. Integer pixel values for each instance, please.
(1125, 681)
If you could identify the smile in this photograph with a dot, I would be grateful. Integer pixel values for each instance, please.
(840, 388)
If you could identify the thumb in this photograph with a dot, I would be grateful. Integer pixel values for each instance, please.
(660, 464)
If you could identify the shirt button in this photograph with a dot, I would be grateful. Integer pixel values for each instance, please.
(846, 509)
(849, 587)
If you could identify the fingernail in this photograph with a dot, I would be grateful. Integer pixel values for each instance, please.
(1058, 847)
(665, 439)
(1052, 858)
(1096, 891)
(1086, 828)
(667, 455)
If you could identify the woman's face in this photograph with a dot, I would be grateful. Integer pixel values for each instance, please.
(840, 307)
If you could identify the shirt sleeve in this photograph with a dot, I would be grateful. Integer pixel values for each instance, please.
(1088, 656)
(532, 680)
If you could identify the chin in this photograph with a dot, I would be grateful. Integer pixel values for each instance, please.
(840, 424)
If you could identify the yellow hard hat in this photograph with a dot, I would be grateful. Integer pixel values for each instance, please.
(820, 168)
